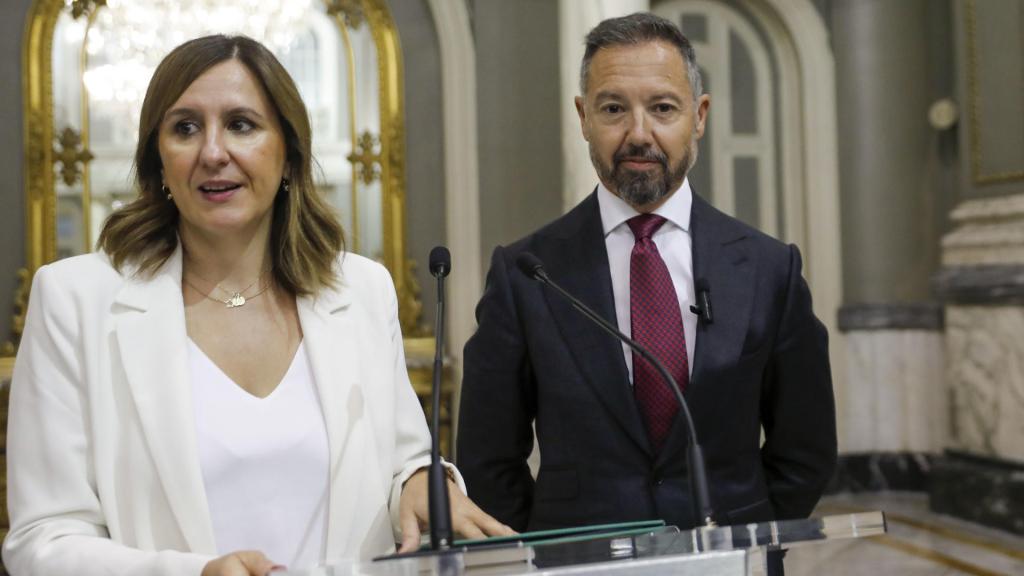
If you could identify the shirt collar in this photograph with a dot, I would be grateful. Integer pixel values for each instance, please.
(615, 211)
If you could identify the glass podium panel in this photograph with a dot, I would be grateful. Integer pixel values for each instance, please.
(719, 551)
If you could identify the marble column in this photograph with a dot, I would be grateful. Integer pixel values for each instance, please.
(575, 19)
(982, 283)
(895, 367)
(882, 63)
(895, 406)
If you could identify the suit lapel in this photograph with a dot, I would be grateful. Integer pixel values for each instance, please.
(152, 341)
(719, 258)
(576, 258)
(329, 336)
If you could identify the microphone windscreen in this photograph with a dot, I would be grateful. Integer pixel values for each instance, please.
(529, 265)
(440, 261)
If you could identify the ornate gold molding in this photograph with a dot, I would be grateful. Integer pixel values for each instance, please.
(351, 11)
(41, 243)
(38, 138)
(85, 8)
(410, 307)
(974, 106)
(367, 161)
(71, 155)
(392, 164)
(20, 309)
(6, 367)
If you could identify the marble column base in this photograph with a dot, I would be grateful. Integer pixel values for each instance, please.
(985, 355)
(981, 477)
(882, 471)
(984, 490)
(896, 400)
(982, 286)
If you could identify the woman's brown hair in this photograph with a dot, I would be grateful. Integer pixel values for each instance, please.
(305, 236)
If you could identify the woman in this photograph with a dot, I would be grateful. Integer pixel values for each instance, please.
(219, 377)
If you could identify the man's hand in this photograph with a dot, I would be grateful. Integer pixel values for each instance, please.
(242, 563)
(467, 518)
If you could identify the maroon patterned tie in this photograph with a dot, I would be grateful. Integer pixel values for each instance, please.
(657, 325)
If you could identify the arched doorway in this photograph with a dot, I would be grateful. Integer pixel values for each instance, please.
(771, 157)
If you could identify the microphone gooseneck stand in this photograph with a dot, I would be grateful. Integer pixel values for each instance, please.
(441, 534)
(533, 268)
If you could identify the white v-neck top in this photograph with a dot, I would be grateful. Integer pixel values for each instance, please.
(265, 462)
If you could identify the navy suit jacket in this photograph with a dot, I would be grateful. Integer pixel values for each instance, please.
(536, 362)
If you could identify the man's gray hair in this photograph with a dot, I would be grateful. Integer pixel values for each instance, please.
(635, 29)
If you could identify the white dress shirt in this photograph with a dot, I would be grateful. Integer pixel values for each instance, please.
(675, 246)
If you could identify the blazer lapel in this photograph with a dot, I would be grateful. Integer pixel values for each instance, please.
(152, 341)
(329, 336)
(719, 258)
(578, 260)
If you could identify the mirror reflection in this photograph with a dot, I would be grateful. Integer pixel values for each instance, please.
(102, 63)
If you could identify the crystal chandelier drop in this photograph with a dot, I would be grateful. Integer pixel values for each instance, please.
(128, 38)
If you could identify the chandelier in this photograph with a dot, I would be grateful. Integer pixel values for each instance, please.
(128, 38)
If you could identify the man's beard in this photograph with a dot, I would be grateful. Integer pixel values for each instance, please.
(642, 187)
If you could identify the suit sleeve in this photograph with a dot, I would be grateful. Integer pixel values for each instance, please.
(498, 404)
(797, 405)
(58, 525)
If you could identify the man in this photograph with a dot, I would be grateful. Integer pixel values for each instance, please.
(612, 444)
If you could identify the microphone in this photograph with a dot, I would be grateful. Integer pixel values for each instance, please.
(703, 307)
(533, 268)
(441, 534)
(440, 262)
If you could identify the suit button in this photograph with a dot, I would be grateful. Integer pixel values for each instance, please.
(657, 480)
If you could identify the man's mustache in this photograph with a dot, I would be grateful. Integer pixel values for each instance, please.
(643, 153)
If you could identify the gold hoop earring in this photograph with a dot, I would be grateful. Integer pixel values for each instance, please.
(167, 191)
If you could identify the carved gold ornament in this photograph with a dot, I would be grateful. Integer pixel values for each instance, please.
(71, 155)
(81, 8)
(351, 11)
(367, 161)
(20, 309)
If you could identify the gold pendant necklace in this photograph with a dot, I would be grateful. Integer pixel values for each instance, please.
(236, 299)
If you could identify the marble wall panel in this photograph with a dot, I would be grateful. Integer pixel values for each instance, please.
(985, 357)
(897, 400)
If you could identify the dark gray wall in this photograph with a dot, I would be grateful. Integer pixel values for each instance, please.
(995, 96)
(424, 140)
(12, 205)
(896, 172)
(519, 115)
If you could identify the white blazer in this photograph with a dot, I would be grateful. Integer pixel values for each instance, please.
(102, 458)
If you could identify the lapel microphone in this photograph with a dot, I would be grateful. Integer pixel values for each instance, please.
(533, 268)
(703, 307)
(441, 534)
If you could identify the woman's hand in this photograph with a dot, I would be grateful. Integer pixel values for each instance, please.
(467, 518)
(242, 563)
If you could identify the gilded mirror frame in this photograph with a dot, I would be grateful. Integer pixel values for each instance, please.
(44, 155)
